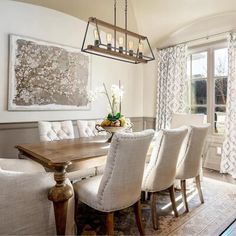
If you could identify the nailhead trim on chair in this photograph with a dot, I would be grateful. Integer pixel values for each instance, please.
(114, 153)
(146, 179)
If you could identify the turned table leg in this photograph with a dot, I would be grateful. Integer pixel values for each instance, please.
(59, 195)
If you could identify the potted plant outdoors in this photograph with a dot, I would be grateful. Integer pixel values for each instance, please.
(115, 121)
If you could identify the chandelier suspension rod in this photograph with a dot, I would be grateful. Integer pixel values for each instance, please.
(115, 23)
(126, 25)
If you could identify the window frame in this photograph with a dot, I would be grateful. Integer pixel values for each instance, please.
(209, 48)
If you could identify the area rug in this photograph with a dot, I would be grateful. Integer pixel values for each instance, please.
(207, 219)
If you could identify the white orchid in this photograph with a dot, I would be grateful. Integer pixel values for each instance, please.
(117, 93)
(114, 100)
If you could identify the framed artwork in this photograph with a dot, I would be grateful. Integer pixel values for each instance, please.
(47, 76)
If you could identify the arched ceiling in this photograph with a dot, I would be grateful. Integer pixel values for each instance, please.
(157, 19)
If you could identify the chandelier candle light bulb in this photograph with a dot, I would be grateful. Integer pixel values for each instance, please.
(131, 48)
(96, 38)
(140, 50)
(109, 40)
(121, 44)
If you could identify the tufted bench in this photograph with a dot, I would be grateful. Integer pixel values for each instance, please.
(53, 131)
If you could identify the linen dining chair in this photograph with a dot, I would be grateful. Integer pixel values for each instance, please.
(181, 119)
(25, 208)
(190, 164)
(54, 131)
(87, 128)
(120, 185)
(160, 172)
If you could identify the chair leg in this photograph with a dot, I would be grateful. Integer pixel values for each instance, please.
(154, 210)
(198, 184)
(137, 211)
(110, 223)
(184, 195)
(172, 198)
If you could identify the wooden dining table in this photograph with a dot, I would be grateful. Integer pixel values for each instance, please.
(65, 156)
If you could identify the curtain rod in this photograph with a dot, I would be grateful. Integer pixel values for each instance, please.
(200, 38)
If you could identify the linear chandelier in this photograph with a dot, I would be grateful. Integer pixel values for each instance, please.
(116, 43)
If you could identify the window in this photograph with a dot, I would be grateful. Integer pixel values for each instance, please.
(198, 83)
(207, 84)
(220, 90)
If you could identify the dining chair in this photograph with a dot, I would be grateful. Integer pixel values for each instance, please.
(25, 208)
(87, 128)
(160, 172)
(180, 119)
(54, 131)
(190, 165)
(120, 185)
(20, 165)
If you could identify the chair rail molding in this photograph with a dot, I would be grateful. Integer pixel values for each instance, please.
(12, 134)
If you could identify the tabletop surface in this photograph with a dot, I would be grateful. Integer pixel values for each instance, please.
(69, 150)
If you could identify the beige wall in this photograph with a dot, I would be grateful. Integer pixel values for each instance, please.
(149, 89)
(50, 25)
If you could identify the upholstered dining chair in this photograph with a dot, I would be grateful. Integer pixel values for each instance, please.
(181, 119)
(25, 208)
(190, 163)
(87, 128)
(54, 131)
(120, 185)
(160, 172)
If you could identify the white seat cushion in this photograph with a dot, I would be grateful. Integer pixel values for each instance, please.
(80, 174)
(20, 165)
(88, 191)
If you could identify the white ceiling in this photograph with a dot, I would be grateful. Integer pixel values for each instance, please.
(157, 19)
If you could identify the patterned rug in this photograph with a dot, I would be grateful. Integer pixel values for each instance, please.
(210, 218)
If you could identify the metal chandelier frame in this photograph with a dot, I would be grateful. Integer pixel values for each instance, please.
(114, 52)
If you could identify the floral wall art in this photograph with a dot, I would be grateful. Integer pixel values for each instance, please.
(47, 76)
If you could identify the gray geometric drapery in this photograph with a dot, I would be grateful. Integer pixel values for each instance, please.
(228, 160)
(171, 83)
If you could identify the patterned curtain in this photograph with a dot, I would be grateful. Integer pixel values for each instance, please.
(171, 84)
(228, 161)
